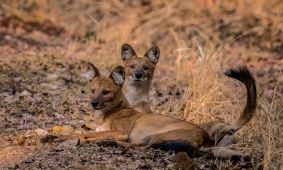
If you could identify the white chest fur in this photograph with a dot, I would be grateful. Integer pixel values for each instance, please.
(135, 95)
(98, 121)
(103, 127)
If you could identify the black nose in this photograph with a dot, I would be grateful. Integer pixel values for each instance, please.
(94, 103)
(138, 75)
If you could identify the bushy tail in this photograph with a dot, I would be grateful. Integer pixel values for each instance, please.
(243, 74)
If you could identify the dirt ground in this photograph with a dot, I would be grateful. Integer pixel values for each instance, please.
(44, 46)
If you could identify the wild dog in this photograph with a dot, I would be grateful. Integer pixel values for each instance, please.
(139, 73)
(117, 120)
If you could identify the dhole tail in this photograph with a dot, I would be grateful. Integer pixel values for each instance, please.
(243, 74)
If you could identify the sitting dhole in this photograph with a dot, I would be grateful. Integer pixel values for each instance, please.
(138, 75)
(117, 120)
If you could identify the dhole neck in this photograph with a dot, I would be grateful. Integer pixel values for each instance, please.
(137, 88)
(121, 104)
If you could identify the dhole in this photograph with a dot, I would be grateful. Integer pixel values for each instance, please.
(117, 120)
(138, 75)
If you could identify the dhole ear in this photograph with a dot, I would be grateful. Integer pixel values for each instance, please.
(118, 75)
(153, 54)
(127, 51)
(92, 72)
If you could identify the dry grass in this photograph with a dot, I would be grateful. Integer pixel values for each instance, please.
(214, 97)
(201, 39)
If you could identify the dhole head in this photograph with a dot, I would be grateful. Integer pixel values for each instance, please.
(105, 90)
(139, 69)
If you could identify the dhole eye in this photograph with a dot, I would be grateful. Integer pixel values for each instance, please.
(132, 66)
(92, 90)
(105, 92)
(145, 67)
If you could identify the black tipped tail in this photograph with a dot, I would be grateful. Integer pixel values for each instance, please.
(243, 74)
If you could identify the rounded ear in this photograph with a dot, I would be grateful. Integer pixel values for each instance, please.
(92, 72)
(127, 51)
(118, 75)
(153, 54)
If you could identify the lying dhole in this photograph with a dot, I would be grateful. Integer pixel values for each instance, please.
(116, 120)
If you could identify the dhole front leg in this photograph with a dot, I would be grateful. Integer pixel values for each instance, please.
(96, 136)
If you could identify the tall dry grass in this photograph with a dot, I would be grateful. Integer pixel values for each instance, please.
(212, 96)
